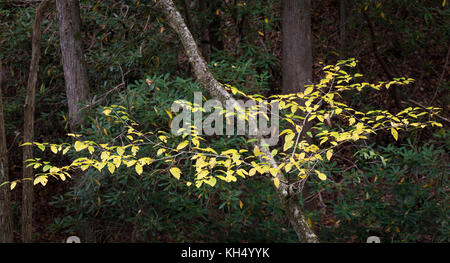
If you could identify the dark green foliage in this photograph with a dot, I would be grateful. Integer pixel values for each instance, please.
(397, 193)
(155, 207)
(128, 40)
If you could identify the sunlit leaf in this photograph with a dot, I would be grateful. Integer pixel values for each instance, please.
(176, 172)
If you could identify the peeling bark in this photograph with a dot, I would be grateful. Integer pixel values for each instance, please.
(210, 84)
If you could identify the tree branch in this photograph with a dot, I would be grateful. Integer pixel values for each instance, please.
(208, 82)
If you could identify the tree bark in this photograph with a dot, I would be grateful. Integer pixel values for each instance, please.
(342, 28)
(6, 233)
(296, 46)
(297, 59)
(75, 73)
(28, 126)
(210, 84)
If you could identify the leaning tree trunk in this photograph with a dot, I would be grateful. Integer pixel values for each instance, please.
(75, 73)
(28, 125)
(6, 233)
(296, 45)
(208, 82)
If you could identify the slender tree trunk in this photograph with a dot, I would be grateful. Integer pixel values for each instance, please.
(296, 46)
(28, 126)
(342, 28)
(6, 234)
(75, 73)
(210, 84)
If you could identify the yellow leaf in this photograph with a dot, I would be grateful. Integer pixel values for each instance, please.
(130, 163)
(54, 149)
(256, 151)
(329, 154)
(91, 149)
(117, 162)
(134, 150)
(308, 90)
(111, 167)
(176, 172)
(54, 169)
(66, 150)
(79, 146)
(120, 151)
(276, 182)
(211, 181)
(322, 176)
(104, 156)
(182, 145)
(106, 112)
(169, 114)
(288, 167)
(289, 142)
(138, 168)
(160, 151)
(13, 184)
(351, 121)
(241, 204)
(241, 173)
(41, 179)
(273, 171)
(394, 133)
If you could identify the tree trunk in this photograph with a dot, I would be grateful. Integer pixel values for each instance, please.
(28, 126)
(296, 46)
(75, 73)
(6, 234)
(209, 83)
(342, 28)
(297, 59)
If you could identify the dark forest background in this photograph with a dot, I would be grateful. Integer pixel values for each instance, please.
(397, 190)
